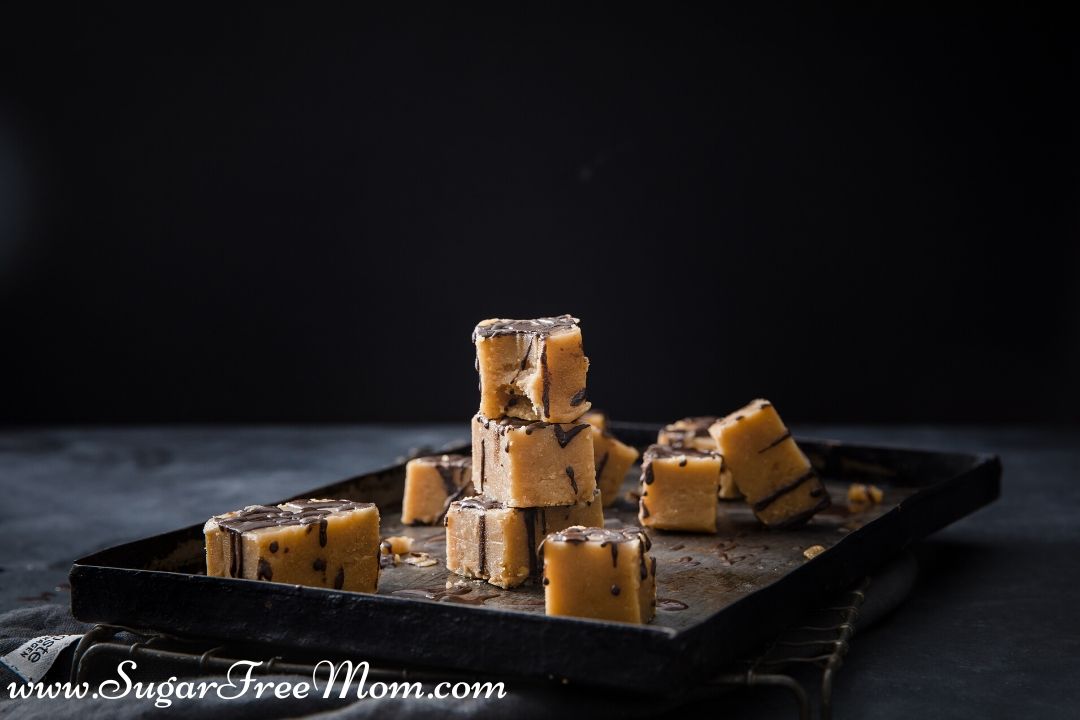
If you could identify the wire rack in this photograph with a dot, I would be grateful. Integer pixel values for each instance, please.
(821, 641)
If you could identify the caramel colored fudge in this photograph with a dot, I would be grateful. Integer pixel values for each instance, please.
(693, 432)
(488, 540)
(769, 468)
(533, 464)
(679, 488)
(431, 484)
(613, 460)
(604, 574)
(322, 543)
(597, 418)
(532, 369)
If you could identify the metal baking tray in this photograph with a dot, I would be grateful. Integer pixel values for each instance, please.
(719, 595)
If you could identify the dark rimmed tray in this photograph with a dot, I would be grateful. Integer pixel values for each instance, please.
(720, 594)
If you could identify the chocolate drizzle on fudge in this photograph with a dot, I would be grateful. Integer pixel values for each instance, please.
(505, 424)
(657, 452)
(664, 452)
(545, 377)
(539, 327)
(481, 504)
(783, 490)
(536, 329)
(566, 436)
(775, 442)
(258, 517)
(450, 469)
(483, 458)
(600, 464)
(683, 432)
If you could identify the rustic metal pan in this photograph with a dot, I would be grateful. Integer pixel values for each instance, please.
(720, 594)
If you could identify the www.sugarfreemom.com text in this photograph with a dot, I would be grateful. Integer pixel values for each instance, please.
(341, 680)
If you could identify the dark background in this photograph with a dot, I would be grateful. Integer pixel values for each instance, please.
(298, 214)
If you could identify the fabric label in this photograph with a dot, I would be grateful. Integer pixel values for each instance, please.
(32, 660)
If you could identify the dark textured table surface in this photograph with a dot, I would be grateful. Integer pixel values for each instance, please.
(991, 629)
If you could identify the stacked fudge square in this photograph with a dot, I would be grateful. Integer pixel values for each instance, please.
(532, 454)
(535, 455)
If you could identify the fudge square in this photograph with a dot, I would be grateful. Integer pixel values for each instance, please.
(431, 484)
(613, 459)
(597, 418)
(488, 540)
(532, 369)
(693, 432)
(769, 468)
(322, 543)
(605, 574)
(679, 488)
(532, 464)
(690, 432)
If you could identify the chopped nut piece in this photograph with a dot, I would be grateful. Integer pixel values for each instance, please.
(396, 545)
(813, 551)
(532, 369)
(419, 559)
(862, 495)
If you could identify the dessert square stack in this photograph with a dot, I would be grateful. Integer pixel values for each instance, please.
(532, 450)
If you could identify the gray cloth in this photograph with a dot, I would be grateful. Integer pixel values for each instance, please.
(521, 701)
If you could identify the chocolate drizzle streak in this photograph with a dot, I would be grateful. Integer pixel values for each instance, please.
(481, 526)
(775, 442)
(783, 490)
(573, 482)
(600, 465)
(296, 512)
(483, 460)
(265, 571)
(339, 579)
(565, 437)
(545, 376)
(577, 534)
(542, 327)
(657, 452)
(578, 397)
(530, 533)
(614, 553)
(647, 476)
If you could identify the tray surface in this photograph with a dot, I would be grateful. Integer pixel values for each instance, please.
(697, 576)
(718, 595)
